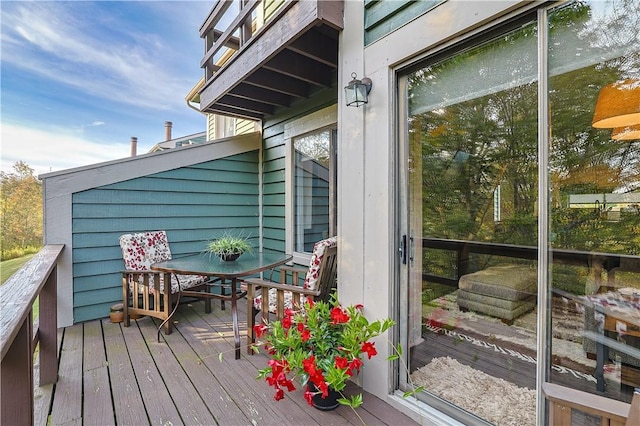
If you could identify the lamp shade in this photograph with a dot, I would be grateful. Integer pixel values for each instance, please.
(626, 133)
(618, 105)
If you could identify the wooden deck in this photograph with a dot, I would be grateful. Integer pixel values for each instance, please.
(110, 374)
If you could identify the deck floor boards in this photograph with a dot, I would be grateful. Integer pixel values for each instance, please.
(67, 406)
(111, 374)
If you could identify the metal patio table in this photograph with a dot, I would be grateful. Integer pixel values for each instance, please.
(249, 263)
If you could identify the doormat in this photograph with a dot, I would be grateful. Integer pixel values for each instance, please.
(495, 400)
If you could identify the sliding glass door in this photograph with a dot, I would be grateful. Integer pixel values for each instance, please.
(472, 283)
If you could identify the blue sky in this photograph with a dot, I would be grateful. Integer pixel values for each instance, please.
(79, 79)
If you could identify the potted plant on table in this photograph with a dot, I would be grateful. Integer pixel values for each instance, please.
(321, 345)
(229, 247)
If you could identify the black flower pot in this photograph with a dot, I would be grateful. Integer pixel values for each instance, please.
(325, 404)
(229, 257)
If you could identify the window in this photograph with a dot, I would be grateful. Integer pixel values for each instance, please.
(311, 182)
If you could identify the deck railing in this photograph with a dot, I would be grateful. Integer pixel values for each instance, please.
(19, 336)
(463, 249)
(225, 35)
(562, 402)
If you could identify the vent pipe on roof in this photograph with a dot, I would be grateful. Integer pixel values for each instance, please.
(134, 146)
(167, 130)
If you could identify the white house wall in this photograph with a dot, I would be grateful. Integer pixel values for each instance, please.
(366, 224)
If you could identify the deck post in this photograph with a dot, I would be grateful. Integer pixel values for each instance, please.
(17, 378)
(48, 330)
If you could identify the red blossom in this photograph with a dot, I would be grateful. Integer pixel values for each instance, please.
(355, 365)
(359, 306)
(324, 387)
(279, 394)
(286, 323)
(260, 329)
(369, 348)
(305, 335)
(309, 397)
(341, 362)
(309, 365)
(339, 316)
(318, 379)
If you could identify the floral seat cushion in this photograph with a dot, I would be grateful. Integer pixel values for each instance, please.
(310, 280)
(141, 250)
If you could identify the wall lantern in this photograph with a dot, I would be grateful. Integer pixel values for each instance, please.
(357, 91)
(618, 105)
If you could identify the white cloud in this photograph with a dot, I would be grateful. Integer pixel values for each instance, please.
(49, 151)
(95, 124)
(47, 39)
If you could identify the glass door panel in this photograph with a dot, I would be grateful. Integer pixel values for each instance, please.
(472, 198)
(594, 177)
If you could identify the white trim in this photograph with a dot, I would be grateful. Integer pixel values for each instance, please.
(366, 192)
(92, 176)
(320, 119)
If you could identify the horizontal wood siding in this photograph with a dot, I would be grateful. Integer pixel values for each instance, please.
(245, 126)
(211, 127)
(381, 17)
(193, 204)
(274, 164)
(270, 7)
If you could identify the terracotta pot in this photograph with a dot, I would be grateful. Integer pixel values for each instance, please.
(116, 316)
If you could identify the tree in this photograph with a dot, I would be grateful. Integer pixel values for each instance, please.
(20, 210)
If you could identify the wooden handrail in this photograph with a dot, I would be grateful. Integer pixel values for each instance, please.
(38, 277)
(563, 400)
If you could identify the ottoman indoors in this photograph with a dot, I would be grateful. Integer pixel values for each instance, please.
(504, 292)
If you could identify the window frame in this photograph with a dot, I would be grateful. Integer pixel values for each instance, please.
(324, 119)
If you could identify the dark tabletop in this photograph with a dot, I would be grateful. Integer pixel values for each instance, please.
(209, 264)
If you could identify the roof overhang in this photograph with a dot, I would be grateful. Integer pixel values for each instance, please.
(293, 56)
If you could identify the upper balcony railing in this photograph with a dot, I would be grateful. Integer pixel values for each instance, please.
(19, 336)
(226, 29)
(262, 55)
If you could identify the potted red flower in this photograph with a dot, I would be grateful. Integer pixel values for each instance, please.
(322, 346)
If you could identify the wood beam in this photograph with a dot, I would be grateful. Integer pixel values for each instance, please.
(318, 47)
(233, 112)
(264, 95)
(246, 104)
(275, 81)
(302, 68)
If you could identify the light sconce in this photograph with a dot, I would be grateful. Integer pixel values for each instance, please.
(627, 133)
(618, 105)
(357, 91)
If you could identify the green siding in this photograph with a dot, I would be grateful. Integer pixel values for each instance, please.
(193, 204)
(382, 17)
